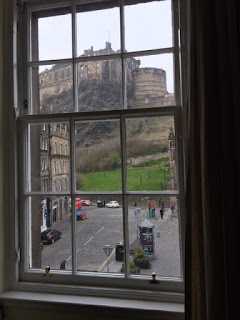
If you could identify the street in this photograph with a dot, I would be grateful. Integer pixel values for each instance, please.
(103, 226)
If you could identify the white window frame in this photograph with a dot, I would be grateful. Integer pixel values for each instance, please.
(89, 283)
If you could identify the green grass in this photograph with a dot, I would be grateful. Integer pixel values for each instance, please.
(152, 175)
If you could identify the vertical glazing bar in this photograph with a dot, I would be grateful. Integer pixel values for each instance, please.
(124, 190)
(72, 190)
(124, 78)
(74, 55)
(178, 130)
(180, 175)
(28, 71)
(26, 204)
(29, 35)
(176, 54)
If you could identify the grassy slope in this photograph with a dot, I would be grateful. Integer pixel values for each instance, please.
(151, 176)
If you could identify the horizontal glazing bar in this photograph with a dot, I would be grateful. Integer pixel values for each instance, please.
(49, 62)
(47, 194)
(123, 55)
(77, 194)
(114, 114)
(166, 284)
(39, 6)
(153, 193)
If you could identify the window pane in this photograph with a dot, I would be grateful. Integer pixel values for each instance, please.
(54, 37)
(148, 25)
(98, 159)
(98, 233)
(154, 244)
(50, 232)
(150, 81)
(151, 154)
(52, 89)
(49, 157)
(103, 32)
(100, 85)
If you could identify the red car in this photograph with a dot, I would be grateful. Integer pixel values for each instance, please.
(82, 203)
(85, 202)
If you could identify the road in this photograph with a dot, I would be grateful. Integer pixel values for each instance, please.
(103, 226)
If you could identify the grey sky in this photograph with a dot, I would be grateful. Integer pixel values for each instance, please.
(147, 26)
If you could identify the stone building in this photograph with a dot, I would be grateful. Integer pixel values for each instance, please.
(54, 171)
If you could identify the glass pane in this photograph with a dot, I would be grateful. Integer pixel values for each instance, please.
(99, 233)
(52, 89)
(103, 32)
(98, 159)
(154, 236)
(100, 85)
(50, 232)
(54, 37)
(151, 154)
(48, 157)
(150, 81)
(148, 26)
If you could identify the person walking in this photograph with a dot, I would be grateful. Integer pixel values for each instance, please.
(162, 210)
(63, 265)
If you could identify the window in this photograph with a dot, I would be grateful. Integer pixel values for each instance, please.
(117, 115)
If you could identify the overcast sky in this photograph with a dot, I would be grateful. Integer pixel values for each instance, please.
(147, 26)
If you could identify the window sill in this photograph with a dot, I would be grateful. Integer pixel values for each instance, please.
(149, 309)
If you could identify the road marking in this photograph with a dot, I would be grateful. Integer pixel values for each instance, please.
(90, 239)
(103, 265)
(99, 230)
(85, 243)
(69, 258)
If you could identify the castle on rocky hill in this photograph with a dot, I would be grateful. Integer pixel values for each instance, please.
(146, 87)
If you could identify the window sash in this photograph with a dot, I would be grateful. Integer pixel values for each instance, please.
(175, 110)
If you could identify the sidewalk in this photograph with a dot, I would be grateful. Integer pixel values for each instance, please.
(166, 261)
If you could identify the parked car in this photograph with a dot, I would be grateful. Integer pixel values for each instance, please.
(82, 203)
(100, 203)
(49, 236)
(112, 204)
(85, 202)
(81, 215)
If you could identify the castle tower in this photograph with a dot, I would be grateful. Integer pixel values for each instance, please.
(149, 87)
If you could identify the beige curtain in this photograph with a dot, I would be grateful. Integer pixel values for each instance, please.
(211, 43)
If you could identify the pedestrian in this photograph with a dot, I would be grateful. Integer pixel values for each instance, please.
(162, 210)
(161, 213)
(63, 265)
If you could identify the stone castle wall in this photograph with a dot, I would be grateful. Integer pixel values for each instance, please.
(149, 84)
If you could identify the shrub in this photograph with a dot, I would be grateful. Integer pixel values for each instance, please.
(140, 260)
(131, 267)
